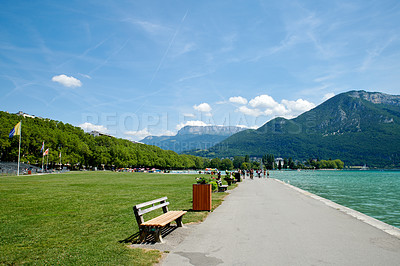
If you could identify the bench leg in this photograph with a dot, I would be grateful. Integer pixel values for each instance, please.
(157, 235)
(143, 234)
(179, 222)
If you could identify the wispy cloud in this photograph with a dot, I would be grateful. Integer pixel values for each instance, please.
(112, 54)
(375, 53)
(85, 76)
(148, 26)
(194, 75)
(168, 48)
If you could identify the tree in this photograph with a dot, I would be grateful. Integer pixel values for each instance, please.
(255, 165)
(245, 166)
(291, 164)
(270, 161)
(226, 164)
(215, 163)
(237, 161)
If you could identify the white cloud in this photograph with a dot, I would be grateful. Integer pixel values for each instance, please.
(138, 135)
(265, 105)
(238, 99)
(203, 107)
(299, 106)
(263, 101)
(91, 127)
(66, 81)
(141, 134)
(268, 105)
(248, 111)
(242, 126)
(192, 123)
(328, 96)
(167, 133)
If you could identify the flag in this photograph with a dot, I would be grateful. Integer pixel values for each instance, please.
(42, 149)
(46, 152)
(15, 131)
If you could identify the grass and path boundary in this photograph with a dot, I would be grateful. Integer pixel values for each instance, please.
(84, 218)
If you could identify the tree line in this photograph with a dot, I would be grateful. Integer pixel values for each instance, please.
(79, 149)
(268, 162)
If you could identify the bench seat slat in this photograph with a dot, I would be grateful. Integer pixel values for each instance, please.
(164, 219)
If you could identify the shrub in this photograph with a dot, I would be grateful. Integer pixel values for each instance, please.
(214, 186)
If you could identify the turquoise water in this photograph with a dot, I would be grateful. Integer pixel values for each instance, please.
(374, 193)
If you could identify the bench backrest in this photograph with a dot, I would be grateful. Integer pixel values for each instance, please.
(140, 209)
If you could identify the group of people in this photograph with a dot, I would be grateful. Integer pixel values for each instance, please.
(243, 173)
(260, 173)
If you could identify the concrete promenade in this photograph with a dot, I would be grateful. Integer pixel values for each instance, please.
(265, 222)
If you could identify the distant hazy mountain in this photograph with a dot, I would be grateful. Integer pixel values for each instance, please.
(193, 137)
(357, 127)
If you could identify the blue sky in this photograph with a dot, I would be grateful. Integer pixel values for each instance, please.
(137, 68)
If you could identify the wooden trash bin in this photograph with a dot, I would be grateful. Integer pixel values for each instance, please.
(202, 197)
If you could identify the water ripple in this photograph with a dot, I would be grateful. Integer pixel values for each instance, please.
(374, 193)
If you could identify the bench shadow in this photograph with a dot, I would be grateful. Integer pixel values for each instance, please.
(135, 238)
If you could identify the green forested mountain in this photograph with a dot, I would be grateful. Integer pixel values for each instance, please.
(79, 148)
(357, 127)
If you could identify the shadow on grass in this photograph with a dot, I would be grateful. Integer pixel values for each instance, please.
(135, 238)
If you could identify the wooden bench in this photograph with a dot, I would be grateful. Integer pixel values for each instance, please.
(221, 188)
(154, 226)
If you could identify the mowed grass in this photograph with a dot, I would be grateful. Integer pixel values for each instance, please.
(84, 217)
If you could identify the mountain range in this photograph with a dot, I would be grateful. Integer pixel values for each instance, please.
(357, 127)
(193, 137)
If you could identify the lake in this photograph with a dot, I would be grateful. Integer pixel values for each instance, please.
(374, 193)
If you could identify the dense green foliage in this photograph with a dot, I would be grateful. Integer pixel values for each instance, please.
(358, 127)
(269, 161)
(85, 218)
(81, 149)
(328, 164)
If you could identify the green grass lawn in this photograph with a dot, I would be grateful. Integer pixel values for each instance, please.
(83, 217)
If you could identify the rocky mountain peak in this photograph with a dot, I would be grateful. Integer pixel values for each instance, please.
(210, 130)
(376, 97)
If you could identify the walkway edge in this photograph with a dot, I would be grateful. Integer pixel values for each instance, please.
(387, 228)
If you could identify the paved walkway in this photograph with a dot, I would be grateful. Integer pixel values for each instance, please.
(265, 222)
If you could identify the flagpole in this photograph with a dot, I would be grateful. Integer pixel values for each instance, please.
(47, 164)
(19, 147)
(43, 163)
